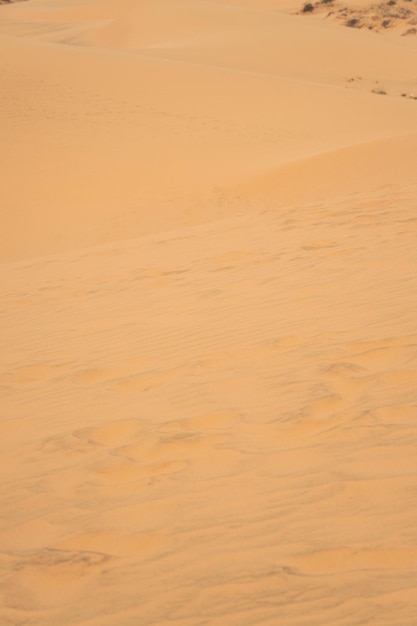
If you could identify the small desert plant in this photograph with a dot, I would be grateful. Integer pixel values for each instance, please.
(308, 8)
(327, 1)
(352, 22)
(391, 3)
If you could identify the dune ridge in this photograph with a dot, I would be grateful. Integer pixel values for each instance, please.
(208, 344)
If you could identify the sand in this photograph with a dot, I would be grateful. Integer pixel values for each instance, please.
(208, 295)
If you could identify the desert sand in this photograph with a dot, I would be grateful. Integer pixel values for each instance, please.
(208, 296)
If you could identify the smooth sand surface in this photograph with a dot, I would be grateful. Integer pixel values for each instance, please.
(208, 339)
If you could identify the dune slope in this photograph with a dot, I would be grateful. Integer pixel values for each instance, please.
(208, 341)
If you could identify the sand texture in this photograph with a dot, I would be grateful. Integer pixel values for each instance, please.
(208, 314)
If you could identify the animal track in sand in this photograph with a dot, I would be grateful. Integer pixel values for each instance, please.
(380, 461)
(396, 414)
(319, 245)
(234, 260)
(399, 378)
(350, 559)
(384, 356)
(50, 578)
(326, 404)
(31, 374)
(148, 380)
(346, 381)
(30, 535)
(343, 369)
(112, 433)
(294, 462)
(389, 342)
(68, 444)
(132, 452)
(206, 455)
(116, 544)
(126, 471)
(94, 375)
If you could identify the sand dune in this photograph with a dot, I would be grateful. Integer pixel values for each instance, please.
(155, 138)
(208, 333)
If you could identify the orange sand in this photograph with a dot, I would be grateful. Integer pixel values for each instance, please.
(208, 344)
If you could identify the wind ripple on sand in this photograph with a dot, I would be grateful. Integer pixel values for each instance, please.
(192, 456)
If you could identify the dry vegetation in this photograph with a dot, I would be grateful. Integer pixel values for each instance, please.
(398, 15)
